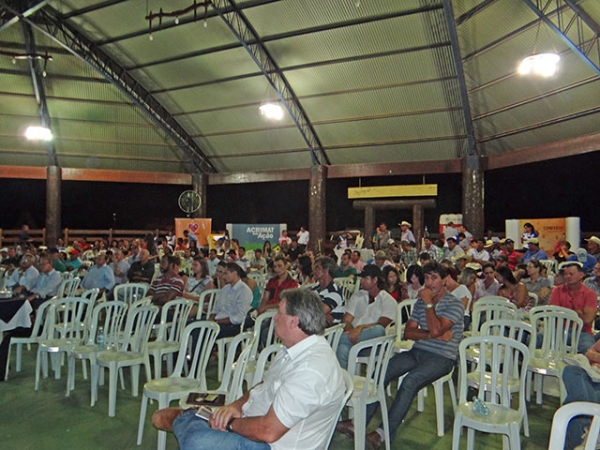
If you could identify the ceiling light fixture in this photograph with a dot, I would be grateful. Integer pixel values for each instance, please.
(542, 64)
(29, 56)
(271, 111)
(38, 133)
(160, 15)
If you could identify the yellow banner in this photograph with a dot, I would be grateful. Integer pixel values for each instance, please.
(550, 231)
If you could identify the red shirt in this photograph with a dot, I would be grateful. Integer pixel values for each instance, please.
(274, 288)
(512, 259)
(585, 298)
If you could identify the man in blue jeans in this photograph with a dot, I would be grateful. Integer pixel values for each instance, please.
(367, 313)
(293, 408)
(436, 326)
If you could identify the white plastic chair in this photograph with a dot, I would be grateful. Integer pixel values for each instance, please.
(405, 308)
(258, 325)
(206, 303)
(347, 285)
(176, 386)
(333, 335)
(261, 363)
(64, 319)
(348, 391)
(550, 265)
(173, 318)
(38, 326)
(563, 416)
(66, 275)
(438, 392)
(561, 328)
(109, 316)
(498, 353)
(490, 308)
(369, 388)
(130, 292)
(132, 353)
(68, 287)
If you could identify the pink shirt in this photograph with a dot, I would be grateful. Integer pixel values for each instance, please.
(585, 298)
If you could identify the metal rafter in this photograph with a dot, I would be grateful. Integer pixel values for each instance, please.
(573, 25)
(29, 11)
(81, 47)
(239, 25)
(39, 91)
(466, 108)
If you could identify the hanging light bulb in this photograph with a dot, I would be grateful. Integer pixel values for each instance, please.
(271, 111)
(205, 23)
(150, 37)
(357, 3)
(14, 61)
(542, 64)
(38, 133)
(176, 20)
(44, 74)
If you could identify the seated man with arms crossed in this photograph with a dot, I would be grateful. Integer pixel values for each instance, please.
(292, 409)
(436, 326)
(142, 270)
(330, 293)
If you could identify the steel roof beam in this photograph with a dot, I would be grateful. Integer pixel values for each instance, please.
(239, 25)
(86, 51)
(39, 91)
(96, 7)
(587, 49)
(466, 108)
(29, 11)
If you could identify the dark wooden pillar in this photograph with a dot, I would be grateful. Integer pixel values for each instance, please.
(417, 224)
(53, 205)
(369, 226)
(473, 194)
(317, 202)
(199, 182)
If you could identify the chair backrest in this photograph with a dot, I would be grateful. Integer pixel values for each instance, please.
(68, 287)
(41, 325)
(500, 360)
(92, 296)
(349, 389)
(206, 303)
(550, 265)
(173, 317)
(257, 332)
(333, 335)
(347, 286)
(192, 358)
(138, 328)
(109, 316)
(66, 316)
(563, 416)
(66, 275)
(265, 356)
(513, 329)
(130, 292)
(380, 350)
(560, 328)
(491, 308)
(241, 341)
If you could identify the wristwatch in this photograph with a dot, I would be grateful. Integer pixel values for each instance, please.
(429, 306)
(228, 427)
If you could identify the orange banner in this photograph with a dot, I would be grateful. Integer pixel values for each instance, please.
(200, 227)
(549, 231)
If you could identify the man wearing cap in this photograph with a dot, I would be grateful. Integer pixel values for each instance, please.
(588, 261)
(382, 259)
(454, 250)
(383, 236)
(478, 253)
(57, 263)
(593, 246)
(330, 293)
(73, 263)
(394, 250)
(407, 234)
(573, 294)
(409, 255)
(512, 256)
(367, 313)
(534, 251)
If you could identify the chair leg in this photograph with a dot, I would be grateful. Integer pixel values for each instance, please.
(95, 369)
(220, 359)
(359, 427)
(38, 368)
(421, 400)
(70, 375)
(143, 410)
(438, 390)
(112, 390)
(470, 438)
(456, 432)
(19, 357)
(157, 365)
(135, 380)
(84, 369)
(384, 419)
(538, 387)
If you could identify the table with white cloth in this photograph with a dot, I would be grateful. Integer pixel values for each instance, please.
(14, 313)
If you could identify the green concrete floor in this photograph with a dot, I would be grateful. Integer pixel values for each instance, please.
(46, 419)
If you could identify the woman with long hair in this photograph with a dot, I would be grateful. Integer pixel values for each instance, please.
(528, 233)
(392, 283)
(510, 288)
(536, 283)
(199, 281)
(267, 251)
(414, 281)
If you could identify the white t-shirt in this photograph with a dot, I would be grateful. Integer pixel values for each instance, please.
(365, 313)
(303, 237)
(461, 292)
(305, 386)
(483, 255)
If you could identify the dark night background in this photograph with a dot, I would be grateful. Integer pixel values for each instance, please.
(556, 188)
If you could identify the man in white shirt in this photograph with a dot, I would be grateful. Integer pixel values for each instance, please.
(368, 312)
(23, 278)
(293, 408)
(303, 236)
(478, 254)
(233, 304)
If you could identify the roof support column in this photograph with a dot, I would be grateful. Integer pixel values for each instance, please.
(317, 206)
(369, 226)
(199, 183)
(473, 194)
(53, 205)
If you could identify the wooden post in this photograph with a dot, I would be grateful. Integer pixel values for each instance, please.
(199, 182)
(53, 205)
(369, 226)
(417, 223)
(317, 202)
(473, 188)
